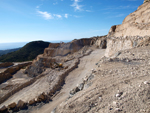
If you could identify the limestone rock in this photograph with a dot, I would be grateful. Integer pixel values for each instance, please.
(63, 49)
(3, 109)
(11, 70)
(99, 42)
(12, 105)
(21, 104)
(146, 1)
(119, 94)
(136, 23)
(74, 91)
(42, 97)
(120, 43)
(31, 102)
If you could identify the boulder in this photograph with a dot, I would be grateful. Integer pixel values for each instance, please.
(21, 104)
(42, 97)
(4, 109)
(32, 102)
(12, 105)
(74, 91)
(81, 86)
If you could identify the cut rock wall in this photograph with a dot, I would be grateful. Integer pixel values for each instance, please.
(121, 43)
(135, 24)
(63, 49)
(133, 32)
(8, 73)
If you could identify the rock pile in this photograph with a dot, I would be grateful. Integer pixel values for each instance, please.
(13, 107)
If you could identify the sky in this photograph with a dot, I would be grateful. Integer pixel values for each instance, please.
(50, 20)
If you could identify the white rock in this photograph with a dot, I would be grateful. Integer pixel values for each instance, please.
(119, 94)
(100, 98)
(114, 103)
(146, 82)
(117, 109)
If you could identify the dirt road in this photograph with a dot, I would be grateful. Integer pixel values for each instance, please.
(84, 68)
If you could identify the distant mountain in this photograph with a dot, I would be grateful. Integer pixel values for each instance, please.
(2, 52)
(26, 53)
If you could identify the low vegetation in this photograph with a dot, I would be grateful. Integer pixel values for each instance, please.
(2, 52)
(26, 53)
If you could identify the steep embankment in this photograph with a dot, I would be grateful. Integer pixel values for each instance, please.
(133, 32)
(26, 53)
(136, 23)
(74, 78)
(120, 85)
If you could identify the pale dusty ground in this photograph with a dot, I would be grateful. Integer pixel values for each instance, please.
(44, 84)
(9, 85)
(128, 76)
(75, 77)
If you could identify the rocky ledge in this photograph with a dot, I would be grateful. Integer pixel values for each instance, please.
(116, 44)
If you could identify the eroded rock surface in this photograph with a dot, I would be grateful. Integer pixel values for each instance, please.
(118, 86)
(135, 24)
(115, 44)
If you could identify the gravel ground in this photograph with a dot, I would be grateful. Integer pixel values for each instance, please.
(121, 84)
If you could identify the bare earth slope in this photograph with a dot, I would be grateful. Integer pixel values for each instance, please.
(74, 78)
(121, 85)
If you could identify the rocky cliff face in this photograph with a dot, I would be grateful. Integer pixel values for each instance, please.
(136, 23)
(8, 73)
(99, 41)
(56, 53)
(63, 49)
(121, 43)
(133, 32)
(146, 1)
(60, 52)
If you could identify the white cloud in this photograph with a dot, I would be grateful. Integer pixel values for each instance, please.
(77, 16)
(55, 3)
(45, 15)
(76, 6)
(37, 6)
(117, 16)
(58, 16)
(88, 10)
(120, 7)
(66, 16)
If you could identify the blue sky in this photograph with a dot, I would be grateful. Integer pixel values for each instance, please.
(29, 20)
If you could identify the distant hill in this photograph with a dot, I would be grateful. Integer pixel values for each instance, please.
(2, 52)
(26, 53)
